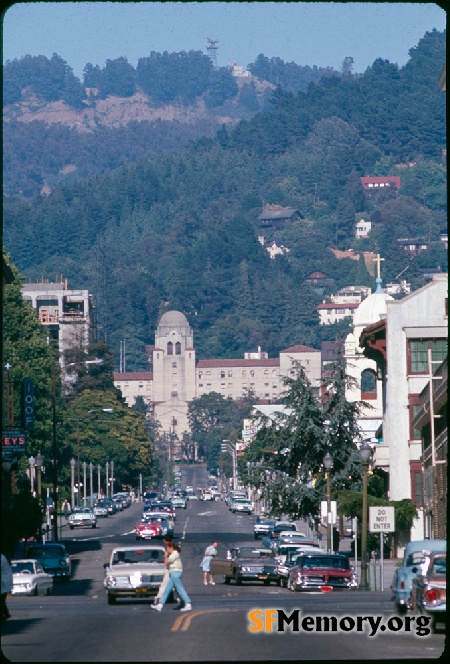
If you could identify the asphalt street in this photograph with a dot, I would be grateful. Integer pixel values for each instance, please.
(76, 624)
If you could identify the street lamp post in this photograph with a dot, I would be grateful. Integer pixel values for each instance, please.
(366, 452)
(107, 468)
(39, 464)
(328, 463)
(226, 446)
(91, 483)
(84, 482)
(99, 480)
(32, 463)
(72, 473)
(112, 477)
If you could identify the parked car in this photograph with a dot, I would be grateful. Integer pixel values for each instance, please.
(429, 588)
(82, 517)
(321, 571)
(148, 529)
(100, 509)
(241, 505)
(118, 503)
(262, 527)
(29, 578)
(283, 549)
(246, 563)
(134, 572)
(53, 557)
(290, 560)
(110, 505)
(413, 558)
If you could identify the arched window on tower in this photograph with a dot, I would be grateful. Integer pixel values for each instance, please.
(178, 348)
(368, 385)
(170, 348)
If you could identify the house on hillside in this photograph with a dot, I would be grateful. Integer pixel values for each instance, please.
(319, 279)
(362, 229)
(371, 183)
(413, 245)
(332, 312)
(277, 219)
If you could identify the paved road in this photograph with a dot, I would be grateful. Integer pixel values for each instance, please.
(76, 624)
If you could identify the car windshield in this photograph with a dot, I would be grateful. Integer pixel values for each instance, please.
(17, 568)
(415, 558)
(82, 510)
(137, 556)
(325, 561)
(242, 501)
(47, 552)
(253, 553)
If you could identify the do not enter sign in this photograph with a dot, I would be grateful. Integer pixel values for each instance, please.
(381, 519)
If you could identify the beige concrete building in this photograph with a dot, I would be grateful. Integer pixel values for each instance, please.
(177, 378)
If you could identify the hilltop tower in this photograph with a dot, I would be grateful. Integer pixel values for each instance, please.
(212, 48)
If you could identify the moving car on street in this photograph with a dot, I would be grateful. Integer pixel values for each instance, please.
(262, 527)
(29, 578)
(246, 563)
(134, 572)
(82, 517)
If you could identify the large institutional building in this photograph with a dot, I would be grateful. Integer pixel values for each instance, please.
(177, 378)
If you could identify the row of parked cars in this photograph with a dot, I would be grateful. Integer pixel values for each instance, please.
(237, 501)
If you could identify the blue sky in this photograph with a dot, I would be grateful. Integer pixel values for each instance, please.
(307, 33)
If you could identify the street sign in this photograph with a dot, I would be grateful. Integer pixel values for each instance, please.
(13, 442)
(27, 403)
(381, 519)
(323, 511)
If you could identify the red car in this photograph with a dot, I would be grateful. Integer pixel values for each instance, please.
(145, 530)
(321, 571)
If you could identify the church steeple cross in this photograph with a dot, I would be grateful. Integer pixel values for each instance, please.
(378, 260)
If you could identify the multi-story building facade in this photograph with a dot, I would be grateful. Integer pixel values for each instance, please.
(65, 313)
(414, 330)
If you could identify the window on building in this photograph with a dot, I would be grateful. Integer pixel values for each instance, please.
(174, 365)
(222, 374)
(418, 353)
(230, 374)
(244, 386)
(208, 373)
(274, 387)
(266, 373)
(266, 384)
(252, 374)
(230, 386)
(274, 372)
(244, 374)
(208, 384)
(414, 406)
(416, 484)
(200, 384)
(222, 386)
(266, 395)
(178, 348)
(368, 384)
(169, 348)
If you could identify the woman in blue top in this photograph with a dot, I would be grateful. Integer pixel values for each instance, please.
(175, 567)
(210, 552)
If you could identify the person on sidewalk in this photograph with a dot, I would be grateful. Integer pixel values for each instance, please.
(175, 568)
(209, 554)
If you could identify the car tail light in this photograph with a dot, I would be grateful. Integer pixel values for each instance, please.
(326, 589)
(432, 595)
(402, 585)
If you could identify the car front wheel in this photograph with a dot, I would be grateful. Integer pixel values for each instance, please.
(111, 599)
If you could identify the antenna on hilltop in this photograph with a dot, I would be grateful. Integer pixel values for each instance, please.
(212, 48)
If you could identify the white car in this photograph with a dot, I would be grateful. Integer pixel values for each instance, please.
(29, 578)
(82, 516)
(134, 572)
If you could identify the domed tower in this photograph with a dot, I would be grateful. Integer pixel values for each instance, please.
(173, 372)
(368, 386)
